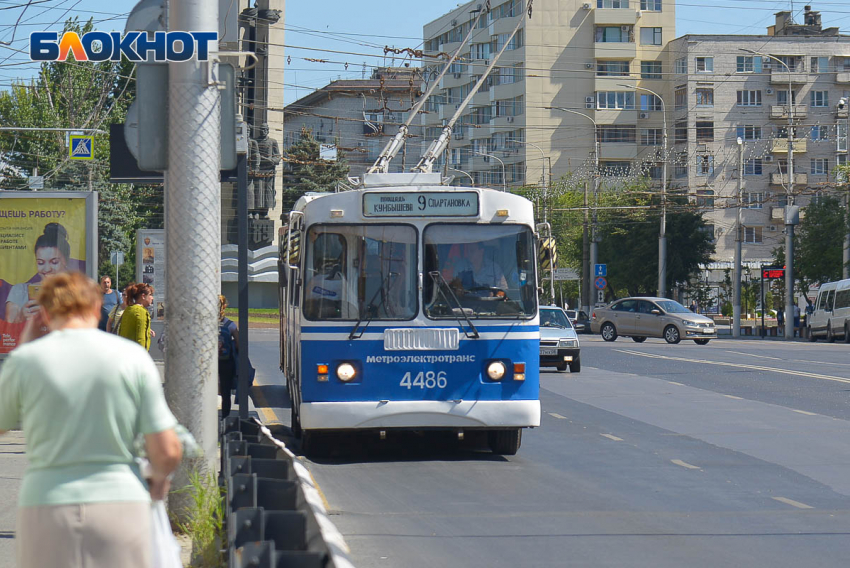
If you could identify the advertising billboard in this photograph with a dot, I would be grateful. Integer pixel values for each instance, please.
(41, 233)
(150, 267)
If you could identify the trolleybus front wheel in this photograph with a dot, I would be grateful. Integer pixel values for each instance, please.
(505, 442)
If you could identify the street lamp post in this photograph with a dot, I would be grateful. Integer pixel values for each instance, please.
(845, 258)
(736, 285)
(789, 192)
(590, 259)
(471, 179)
(662, 235)
(504, 178)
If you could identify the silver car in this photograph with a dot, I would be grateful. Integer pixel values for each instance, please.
(640, 318)
(559, 345)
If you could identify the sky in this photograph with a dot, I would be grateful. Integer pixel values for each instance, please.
(362, 28)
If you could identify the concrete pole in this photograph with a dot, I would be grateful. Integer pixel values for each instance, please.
(789, 228)
(193, 241)
(845, 267)
(585, 255)
(736, 283)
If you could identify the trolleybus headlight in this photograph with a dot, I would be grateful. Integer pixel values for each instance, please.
(496, 370)
(346, 372)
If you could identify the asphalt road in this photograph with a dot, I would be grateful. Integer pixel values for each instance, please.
(732, 454)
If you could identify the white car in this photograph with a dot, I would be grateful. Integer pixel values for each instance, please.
(559, 345)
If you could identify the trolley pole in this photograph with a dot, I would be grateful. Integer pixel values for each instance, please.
(193, 241)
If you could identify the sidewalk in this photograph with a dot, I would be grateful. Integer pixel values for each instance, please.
(12, 465)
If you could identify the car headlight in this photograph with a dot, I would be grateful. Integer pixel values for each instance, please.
(346, 372)
(691, 324)
(568, 343)
(496, 370)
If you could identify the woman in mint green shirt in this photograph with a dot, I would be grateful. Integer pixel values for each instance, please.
(82, 396)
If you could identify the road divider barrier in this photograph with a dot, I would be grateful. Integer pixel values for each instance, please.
(274, 515)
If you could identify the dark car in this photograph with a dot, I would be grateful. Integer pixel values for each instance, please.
(580, 320)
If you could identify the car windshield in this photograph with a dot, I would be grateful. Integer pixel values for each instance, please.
(488, 269)
(571, 314)
(554, 318)
(673, 307)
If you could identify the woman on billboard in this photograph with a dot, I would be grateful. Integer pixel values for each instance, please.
(52, 255)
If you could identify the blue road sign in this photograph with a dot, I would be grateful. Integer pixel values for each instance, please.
(600, 283)
(82, 147)
(600, 270)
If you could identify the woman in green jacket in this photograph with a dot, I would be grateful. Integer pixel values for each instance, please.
(135, 324)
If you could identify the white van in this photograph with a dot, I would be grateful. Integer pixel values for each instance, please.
(831, 317)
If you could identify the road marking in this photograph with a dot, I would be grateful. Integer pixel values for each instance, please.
(611, 437)
(675, 383)
(739, 366)
(555, 415)
(803, 412)
(758, 356)
(792, 502)
(685, 464)
(733, 397)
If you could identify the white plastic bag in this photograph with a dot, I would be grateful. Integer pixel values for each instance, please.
(166, 551)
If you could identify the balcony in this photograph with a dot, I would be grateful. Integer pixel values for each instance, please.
(842, 77)
(781, 111)
(618, 150)
(780, 145)
(778, 214)
(842, 113)
(782, 179)
(614, 50)
(781, 77)
(620, 16)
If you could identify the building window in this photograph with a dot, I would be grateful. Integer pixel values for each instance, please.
(782, 132)
(615, 168)
(651, 136)
(820, 166)
(612, 3)
(650, 5)
(612, 133)
(782, 97)
(508, 107)
(616, 100)
(681, 98)
(819, 98)
(479, 50)
(650, 70)
(749, 98)
(841, 135)
(650, 36)
(820, 132)
(753, 167)
(705, 131)
(680, 133)
(752, 235)
(650, 102)
(749, 132)
(749, 64)
(794, 62)
(705, 198)
(655, 172)
(705, 97)
(612, 68)
(704, 64)
(819, 65)
(681, 66)
(614, 34)
(680, 166)
(705, 165)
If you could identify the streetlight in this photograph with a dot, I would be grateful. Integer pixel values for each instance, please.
(588, 259)
(504, 178)
(662, 236)
(471, 179)
(789, 207)
(736, 289)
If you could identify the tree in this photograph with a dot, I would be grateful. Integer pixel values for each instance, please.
(819, 242)
(309, 173)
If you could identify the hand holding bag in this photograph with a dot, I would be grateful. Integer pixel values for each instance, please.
(166, 551)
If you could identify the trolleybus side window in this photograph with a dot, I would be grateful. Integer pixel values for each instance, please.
(324, 276)
(489, 271)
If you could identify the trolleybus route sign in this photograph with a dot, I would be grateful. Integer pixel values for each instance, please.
(421, 204)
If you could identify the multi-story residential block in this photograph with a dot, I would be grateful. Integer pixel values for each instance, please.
(731, 87)
(571, 55)
(359, 116)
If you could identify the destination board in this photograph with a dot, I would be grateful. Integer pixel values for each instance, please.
(421, 204)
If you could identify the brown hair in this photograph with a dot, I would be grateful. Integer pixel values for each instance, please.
(70, 294)
(136, 291)
(222, 305)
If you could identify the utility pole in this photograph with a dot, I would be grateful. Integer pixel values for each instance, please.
(736, 284)
(193, 239)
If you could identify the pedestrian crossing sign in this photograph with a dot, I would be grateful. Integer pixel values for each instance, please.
(81, 147)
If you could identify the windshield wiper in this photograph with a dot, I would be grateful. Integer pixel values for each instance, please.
(441, 283)
(371, 308)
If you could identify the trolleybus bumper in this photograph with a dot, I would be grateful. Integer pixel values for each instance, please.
(420, 414)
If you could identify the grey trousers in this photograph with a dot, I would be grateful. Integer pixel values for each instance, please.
(86, 535)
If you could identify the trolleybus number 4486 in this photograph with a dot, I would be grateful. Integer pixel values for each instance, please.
(424, 380)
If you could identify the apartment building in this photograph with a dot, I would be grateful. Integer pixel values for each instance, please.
(730, 87)
(584, 57)
(359, 116)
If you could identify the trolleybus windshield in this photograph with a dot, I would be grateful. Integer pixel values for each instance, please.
(490, 269)
(360, 272)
